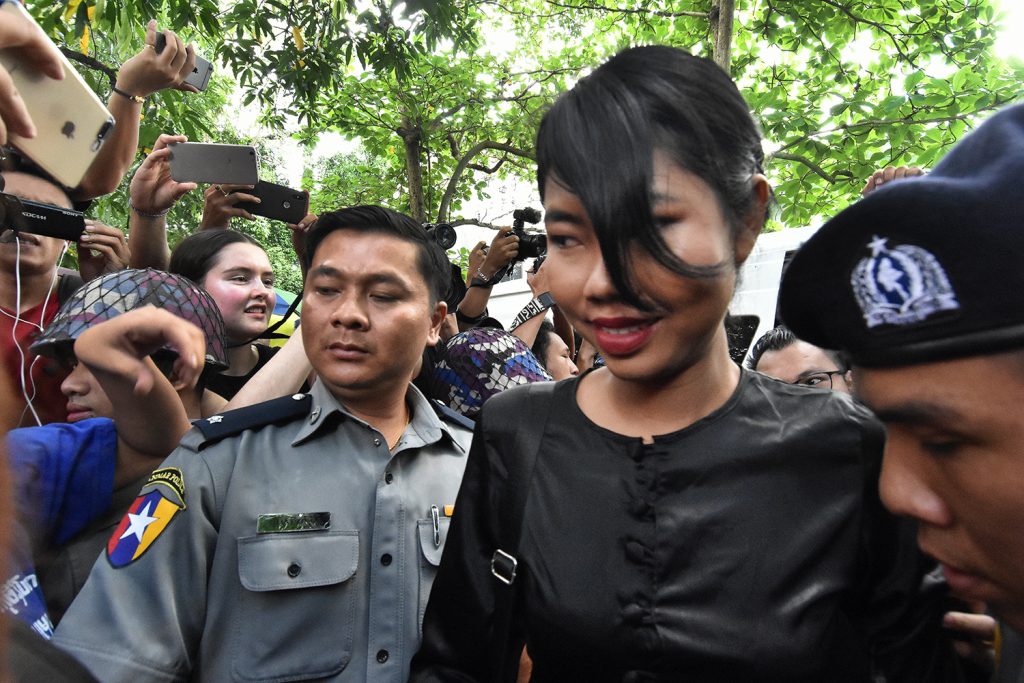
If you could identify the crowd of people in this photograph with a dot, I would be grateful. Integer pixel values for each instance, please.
(410, 490)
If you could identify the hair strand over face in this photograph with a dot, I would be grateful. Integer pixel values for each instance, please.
(599, 140)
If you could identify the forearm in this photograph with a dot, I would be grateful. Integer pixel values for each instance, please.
(528, 330)
(282, 375)
(474, 303)
(152, 422)
(117, 153)
(147, 240)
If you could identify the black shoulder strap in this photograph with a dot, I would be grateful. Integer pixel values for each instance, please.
(449, 415)
(504, 563)
(67, 284)
(233, 422)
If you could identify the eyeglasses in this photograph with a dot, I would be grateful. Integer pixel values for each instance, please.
(819, 380)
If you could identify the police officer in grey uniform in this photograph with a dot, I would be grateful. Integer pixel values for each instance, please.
(297, 539)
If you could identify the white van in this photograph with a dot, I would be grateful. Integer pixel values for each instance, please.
(753, 305)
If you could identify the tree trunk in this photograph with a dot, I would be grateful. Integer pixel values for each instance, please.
(723, 12)
(412, 138)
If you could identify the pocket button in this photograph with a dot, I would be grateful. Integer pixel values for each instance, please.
(294, 570)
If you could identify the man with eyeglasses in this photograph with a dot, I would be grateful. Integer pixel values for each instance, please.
(779, 354)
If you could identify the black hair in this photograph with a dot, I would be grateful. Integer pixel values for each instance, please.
(781, 337)
(598, 141)
(431, 261)
(774, 339)
(197, 254)
(542, 342)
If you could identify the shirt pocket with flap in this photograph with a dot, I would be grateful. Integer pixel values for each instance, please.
(431, 548)
(295, 617)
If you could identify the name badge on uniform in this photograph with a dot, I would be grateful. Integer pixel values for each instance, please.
(280, 522)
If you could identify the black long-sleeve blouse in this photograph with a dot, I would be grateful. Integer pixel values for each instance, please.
(750, 546)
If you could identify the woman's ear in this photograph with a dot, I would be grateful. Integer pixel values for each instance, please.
(754, 221)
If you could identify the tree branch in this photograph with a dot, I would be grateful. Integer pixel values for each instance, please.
(885, 122)
(93, 63)
(484, 169)
(474, 221)
(460, 168)
(622, 10)
(899, 49)
(830, 177)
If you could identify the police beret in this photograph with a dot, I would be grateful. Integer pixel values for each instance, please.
(925, 268)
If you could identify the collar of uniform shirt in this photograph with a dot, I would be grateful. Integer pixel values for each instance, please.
(426, 427)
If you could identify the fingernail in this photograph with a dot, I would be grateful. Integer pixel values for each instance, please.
(89, 227)
(86, 237)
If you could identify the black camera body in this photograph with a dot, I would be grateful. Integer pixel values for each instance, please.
(442, 233)
(23, 215)
(530, 245)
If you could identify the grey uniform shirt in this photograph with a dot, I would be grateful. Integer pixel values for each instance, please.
(210, 598)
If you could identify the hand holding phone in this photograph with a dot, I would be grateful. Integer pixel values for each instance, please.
(195, 72)
(59, 123)
(150, 71)
(20, 34)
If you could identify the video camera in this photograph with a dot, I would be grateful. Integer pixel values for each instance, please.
(530, 245)
(22, 215)
(442, 233)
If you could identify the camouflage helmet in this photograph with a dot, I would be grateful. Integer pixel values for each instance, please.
(126, 290)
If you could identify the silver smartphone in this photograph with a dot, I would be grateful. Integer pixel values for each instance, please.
(197, 162)
(71, 121)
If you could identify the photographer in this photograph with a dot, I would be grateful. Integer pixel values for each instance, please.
(151, 195)
(30, 291)
(503, 250)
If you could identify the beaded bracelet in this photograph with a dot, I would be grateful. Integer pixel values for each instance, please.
(148, 215)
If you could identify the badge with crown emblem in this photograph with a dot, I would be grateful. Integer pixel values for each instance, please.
(900, 285)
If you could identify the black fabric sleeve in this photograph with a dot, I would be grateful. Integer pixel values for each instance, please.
(459, 620)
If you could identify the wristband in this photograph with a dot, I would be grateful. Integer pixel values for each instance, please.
(533, 309)
(161, 214)
(138, 99)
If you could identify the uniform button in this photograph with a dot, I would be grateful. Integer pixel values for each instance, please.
(382, 656)
(388, 478)
(376, 442)
(385, 559)
(294, 570)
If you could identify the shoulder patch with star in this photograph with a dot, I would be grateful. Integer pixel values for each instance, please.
(147, 517)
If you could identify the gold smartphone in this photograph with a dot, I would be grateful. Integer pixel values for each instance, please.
(71, 121)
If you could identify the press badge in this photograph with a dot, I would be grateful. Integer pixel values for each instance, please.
(279, 522)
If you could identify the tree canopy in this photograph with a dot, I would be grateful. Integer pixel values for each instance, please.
(443, 95)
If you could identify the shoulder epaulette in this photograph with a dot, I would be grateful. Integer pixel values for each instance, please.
(233, 422)
(449, 415)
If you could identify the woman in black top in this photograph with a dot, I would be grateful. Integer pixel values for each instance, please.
(685, 520)
(235, 270)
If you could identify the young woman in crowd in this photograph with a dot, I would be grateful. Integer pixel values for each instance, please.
(235, 271)
(551, 351)
(675, 517)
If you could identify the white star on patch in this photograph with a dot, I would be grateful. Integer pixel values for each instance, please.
(215, 419)
(137, 524)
